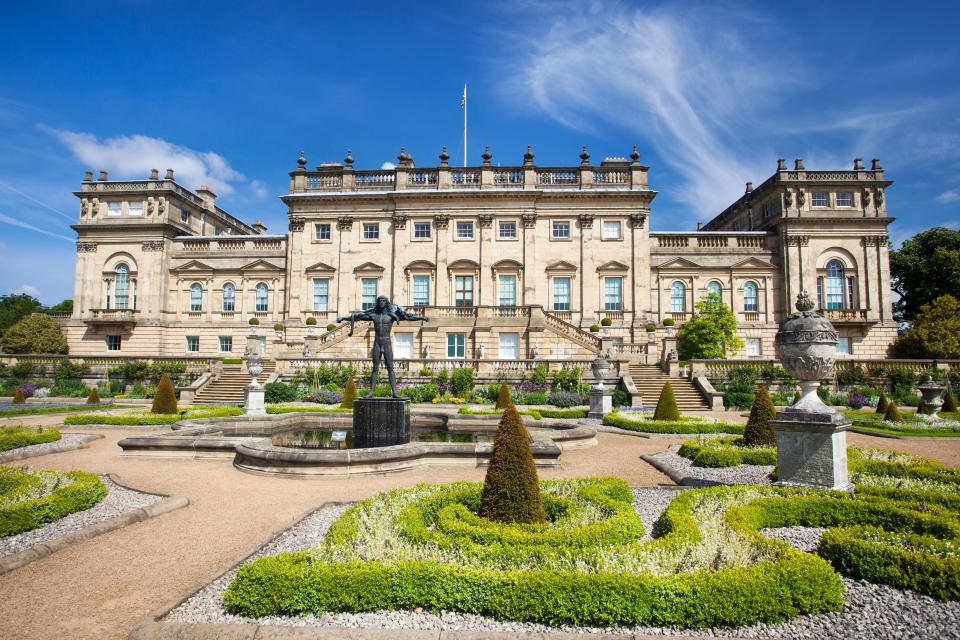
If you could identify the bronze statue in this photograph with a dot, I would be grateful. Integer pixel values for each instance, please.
(382, 315)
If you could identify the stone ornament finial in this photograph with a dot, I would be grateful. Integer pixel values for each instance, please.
(487, 156)
(169, 175)
(103, 176)
(585, 156)
(348, 161)
(804, 302)
(875, 165)
(858, 164)
(302, 162)
(528, 156)
(635, 155)
(807, 343)
(444, 156)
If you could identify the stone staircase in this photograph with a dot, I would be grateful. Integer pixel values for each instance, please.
(572, 332)
(650, 379)
(229, 387)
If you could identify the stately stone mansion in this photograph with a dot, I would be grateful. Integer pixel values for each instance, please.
(510, 263)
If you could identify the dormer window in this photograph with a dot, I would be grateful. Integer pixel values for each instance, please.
(844, 199)
(820, 199)
(114, 208)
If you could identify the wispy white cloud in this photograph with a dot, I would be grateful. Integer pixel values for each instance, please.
(28, 289)
(387, 166)
(135, 155)
(948, 197)
(26, 225)
(259, 188)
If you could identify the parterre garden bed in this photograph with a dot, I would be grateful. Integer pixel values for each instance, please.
(643, 422)
(32, 498)
(19, 436)
(145, 418)
(10, 410)
(914, 424)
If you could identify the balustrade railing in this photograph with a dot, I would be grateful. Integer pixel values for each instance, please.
(558, 177)
(611, 176)
(373, 180)
(324, 182)
(844, 315)
(751, 316)
(508, 178)
(679, 316)
(422, 178)
(112, 315)
(465, 178)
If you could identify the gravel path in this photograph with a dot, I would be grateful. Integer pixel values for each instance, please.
(66, 442)
(118, 500)
(740, 474)
(803, 538)
(872, 611)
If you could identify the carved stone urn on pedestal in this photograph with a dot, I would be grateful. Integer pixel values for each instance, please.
(932, 397)
(601, 398)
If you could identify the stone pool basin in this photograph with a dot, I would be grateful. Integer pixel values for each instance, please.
(249, 441)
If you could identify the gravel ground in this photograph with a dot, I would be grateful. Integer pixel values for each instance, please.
(66, 442)
(803, 538)
(118, 500)
(872, 611)
(740, 474)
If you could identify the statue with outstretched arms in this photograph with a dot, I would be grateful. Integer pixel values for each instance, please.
(382, 315)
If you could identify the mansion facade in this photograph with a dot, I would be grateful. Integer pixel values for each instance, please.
(516, 262)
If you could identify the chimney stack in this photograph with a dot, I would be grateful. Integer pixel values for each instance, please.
(875, 165)
(154, 174)
(798, 165)
(169, 175)
(103, 176)
(259, 228)
(88, 176)
(749, 187)
(781, 164)
(858, 164)
(208, 196)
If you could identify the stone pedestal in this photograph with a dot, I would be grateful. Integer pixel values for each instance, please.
(812, 449)
(253, 404)
(601, 403)
(380, 422)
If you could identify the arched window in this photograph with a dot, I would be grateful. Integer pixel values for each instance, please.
(122, 287)
(750, 298)
(715, 287)
(229, 297)
(196, 297)
(678, 297)
(835, 285)
(262, 297)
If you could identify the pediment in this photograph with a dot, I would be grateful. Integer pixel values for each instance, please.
(368, 267)
(260, 265)
(613, 265)
(464, 264)
(192, 266)
(420, 265)
(561, 266)
(753, 263)
(678, 263)
(507, 265)
(320, 267)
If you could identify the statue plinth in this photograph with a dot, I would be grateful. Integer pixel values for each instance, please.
(380, 422)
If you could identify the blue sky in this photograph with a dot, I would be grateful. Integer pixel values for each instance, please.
(228, 93)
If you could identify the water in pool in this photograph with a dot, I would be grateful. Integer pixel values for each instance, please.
(343, 439)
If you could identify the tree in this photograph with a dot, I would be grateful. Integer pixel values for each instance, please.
(935, 332)
(667, 405)
(503, 397)
(511, 489)
(165, 401)
(711, 332)
(65, 306)
(15, 307)
(926, 267)
(758, 432)
(37, 333)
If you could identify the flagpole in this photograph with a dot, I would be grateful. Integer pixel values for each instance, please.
(464, 125)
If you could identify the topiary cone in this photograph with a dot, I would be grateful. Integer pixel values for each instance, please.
(758, 432)
(165, 400)
(949, 403)
(18, 398)
(667, 405)
(349, 395)
(893, 414)
(511, 489)
(94, 396)
(882, 404)
(796, 396)
(504, 399)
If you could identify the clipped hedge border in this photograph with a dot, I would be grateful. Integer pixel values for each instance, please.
(85, 491)
(32, 411)
(153, 419)
(663, 426)
(536, 414)
(24, 437)
(726, 452)
(278, 409)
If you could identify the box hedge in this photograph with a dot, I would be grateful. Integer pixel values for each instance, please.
(84, 491)
(16, 437)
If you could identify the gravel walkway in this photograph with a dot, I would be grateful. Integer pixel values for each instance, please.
(118, 500)
(67, 442)
(872, 611)
(704, 476)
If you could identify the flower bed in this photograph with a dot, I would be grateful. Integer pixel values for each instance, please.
(17, 437)
(643, 422)
(8, 410)
(914, 424)
(147, 419)
(33, 498)
(537, 414)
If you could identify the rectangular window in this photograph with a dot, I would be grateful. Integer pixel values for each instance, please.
(509, 346)
(820, 293)
(736, 226)
(843, 347)
(193, 344)
(403, 345)
(184, 216)
(561, 294)
(613, 294)
(135, 208)
(368, 293)
(321, 294)
(263, 345)
(371, 230)
(851, 291)
(464, 230)
(113, 343)
(456, 345)
(114, 208)
(767, 210)
(464, 291)
(611, 230)
(421, 291)
(508, 291)
(819, 199)
(560, 230)
(321, 231)
(216, 231)
(421, 230)
(226, 344)
(844, 199)
(752, 346)
(507, 231)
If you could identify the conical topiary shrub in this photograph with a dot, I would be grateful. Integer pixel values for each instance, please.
(758, 432)
(504, 399)
(511, 490)
(796, 396)
(18, 397)
(349, 394)
(893, 413)
(667, 405)
(94, 396)
(949, 403)
(165, 400)
(882, 404)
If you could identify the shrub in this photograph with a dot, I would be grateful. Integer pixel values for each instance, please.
(539, 375)
(856, 400)
(621, 398)
(83, 492)
(442, 377)
(278, 326)
(274, 392)
(669, 322)
(667, 405)
(324, 396)
(94, 396)
(461, 382)
(18, 398)
(253, 322)
(567, 379)
(70, 389)
(503, 397)
(311, 321)
(565, 399)
(949, 403)
(331, 326)
(27, 390)
(349, 395)
(511, 489)
(882, 404)
(67, 370)
(148, 419)
(850, 375)
(651, 328)
(796, 396)
(758, 432)
(16, 437)
(736, 399)
(232, 361)
(726, 452)
(165, 401)
(36, 333)
(606, 322)
(536, 398)
(893, 413)
(594, 328)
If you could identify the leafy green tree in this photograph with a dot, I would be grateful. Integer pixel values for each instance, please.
(935, 332)
(65, 306)
(710, 333)
(925, 268)
(15, 307)
(37, 333)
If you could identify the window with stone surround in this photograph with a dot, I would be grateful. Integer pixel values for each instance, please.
(508, 291)
(421, 231)
(262, 301)
(612, 230)
(751, 299)
(403, 345)
(421, 291)
(135, 208)
(509, 346)
(114, 208)
(560, 230)
(716, 288)
(193, 344)
(114, 343)
(843, 346)
(820, 199)
(844, 199)
(613, 293)
(464, 230)
(456, 345)
(321, 294)
(321, 231)
(368, 293)
(463, 291)
(678, 297)
(371, 231)
(196, 297)
(752, 347)
(507, 230)
(226, 344)
(122, 287)
(561, 294)
(229, 298)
